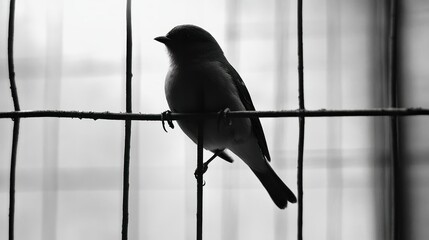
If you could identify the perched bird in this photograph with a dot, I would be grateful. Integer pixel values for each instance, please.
(200, 79)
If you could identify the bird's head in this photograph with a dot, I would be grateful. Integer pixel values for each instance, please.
(188, 43)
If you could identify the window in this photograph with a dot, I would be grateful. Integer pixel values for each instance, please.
(70, 55)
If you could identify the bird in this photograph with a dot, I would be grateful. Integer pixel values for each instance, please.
(200, 79)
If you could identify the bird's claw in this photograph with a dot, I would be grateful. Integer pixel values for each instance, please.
(166, 116)
(199, 172)
(205, 165)
(223, 115)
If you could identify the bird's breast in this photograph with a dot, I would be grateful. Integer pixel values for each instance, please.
(206, 87)
(203, 87)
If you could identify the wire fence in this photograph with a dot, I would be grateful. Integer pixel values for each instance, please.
(393, 111)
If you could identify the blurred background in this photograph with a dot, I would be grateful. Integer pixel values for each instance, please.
(70, 55)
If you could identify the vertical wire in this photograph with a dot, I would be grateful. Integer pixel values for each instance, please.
(300, 58)
(397, 168)
(301, 121)
(381, 167)
(12, 179)
(200, 156)
(126, 184)
(11, 65)
(200, 180)
(16, 122)
(129, 58)
(134, 203)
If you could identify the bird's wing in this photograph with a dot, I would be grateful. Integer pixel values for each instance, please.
(248, 104)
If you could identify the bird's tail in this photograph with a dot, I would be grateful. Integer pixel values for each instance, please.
(275, 187)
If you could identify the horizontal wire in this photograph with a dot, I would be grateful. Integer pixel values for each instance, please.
(231, 114)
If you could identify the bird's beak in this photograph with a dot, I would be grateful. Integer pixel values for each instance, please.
(163, 39)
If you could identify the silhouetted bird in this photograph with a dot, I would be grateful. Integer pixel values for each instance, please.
(200, 79)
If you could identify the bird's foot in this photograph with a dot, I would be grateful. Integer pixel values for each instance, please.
(166, 116)
(223, 115)
(199, 172)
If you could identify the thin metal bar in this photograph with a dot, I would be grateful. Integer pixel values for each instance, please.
(129, 58)
(397, 167)
(11, 66)
(200, 180)
(393, 54)
(300, 176)
(126, 179)
(16, 122)
(301, 121)
(233, 114)
(12, 179)
(300, 58)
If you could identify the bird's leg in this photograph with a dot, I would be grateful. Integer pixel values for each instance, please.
(206, 164)
(166, 116)
(223, 116)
